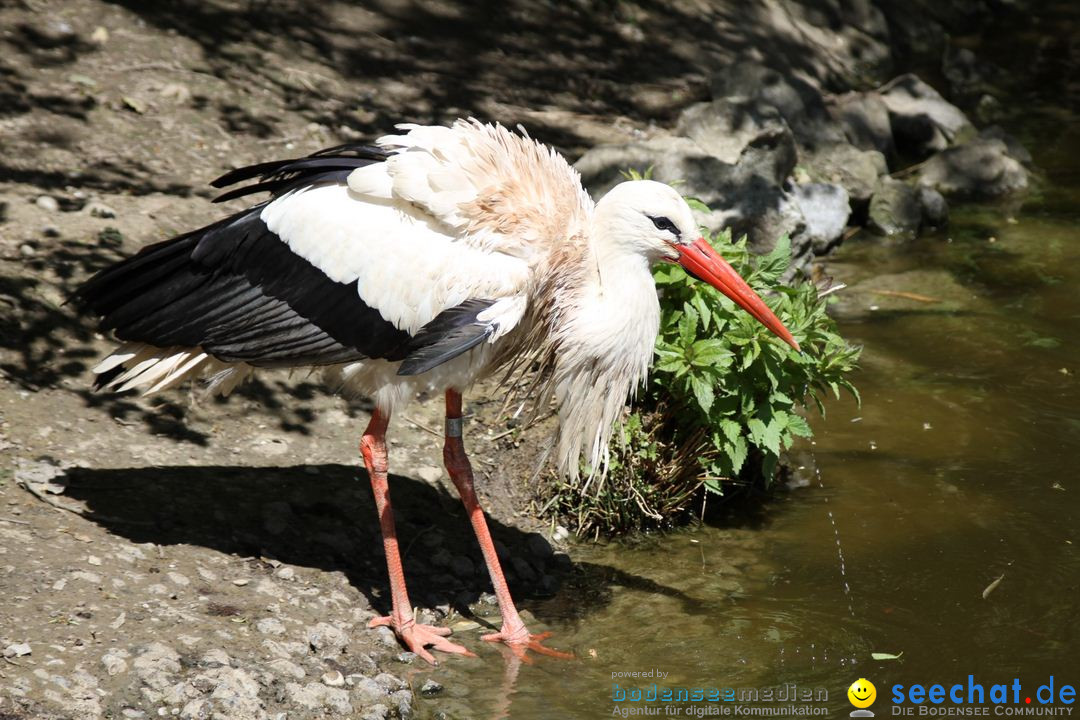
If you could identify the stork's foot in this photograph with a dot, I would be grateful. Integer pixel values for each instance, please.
(417, 637)
(521, 641)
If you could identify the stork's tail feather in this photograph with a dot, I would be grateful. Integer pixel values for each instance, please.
(137, 366)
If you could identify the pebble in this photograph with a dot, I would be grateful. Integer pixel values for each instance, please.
(285, 573)
(316, 696)
(406, 657)
(17, 650)
(216, 657)
(47, 203)
(114, 662)
(288, 668)
(429, 473)
(325, 637)
(154, 666)
(93, 560)
(333, 679)
(100, 210)
(270, 626)
(241, 582)
(178, 578)
(430, 688)
(27, 250)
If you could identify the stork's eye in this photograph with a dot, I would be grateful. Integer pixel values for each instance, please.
(662, 223)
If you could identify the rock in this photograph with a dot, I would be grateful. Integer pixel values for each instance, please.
(462, 566)
(745, 197)
(327, 639)
(857, 171)
(376, 712)
(17, 650)
(442, 558)
(156, 663)
(522, 569)
(333, 679)
(389, 683)
(935, 211)
(114, 662)
(178, 578)
(798, 102)
(241, 582)
(429, 473)
(285, 573)
(27, 250)
(366, 691)
(825, 209)
(894, 208)
(288, 668)
(1016, 149)
(215, 657)
(430, 688)
(922, 121)
(315, 696)
(539, 546)
(864, 117)
(197, 710)
(47, 203)
(724, 127)
(980, 169)
(406, 657)
(234, 694)
(100, 210)
(270, 626)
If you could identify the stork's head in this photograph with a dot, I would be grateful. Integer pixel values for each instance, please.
(653, 220)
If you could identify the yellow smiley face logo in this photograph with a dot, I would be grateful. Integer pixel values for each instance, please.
(862, 693)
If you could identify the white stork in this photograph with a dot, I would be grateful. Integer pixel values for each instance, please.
(423, 263)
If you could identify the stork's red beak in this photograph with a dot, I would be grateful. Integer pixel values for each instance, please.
(701, 260)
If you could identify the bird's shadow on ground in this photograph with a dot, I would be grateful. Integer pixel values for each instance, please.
(323, 516)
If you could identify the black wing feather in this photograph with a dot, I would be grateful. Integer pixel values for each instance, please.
(237, 291)
(452, 332)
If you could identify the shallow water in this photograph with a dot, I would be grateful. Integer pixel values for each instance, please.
(958, 470)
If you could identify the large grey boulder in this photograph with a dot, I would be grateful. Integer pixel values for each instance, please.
(724, 127)
(825, 209)
(864, 117)
(857, 171)
(743, 187)
(980, 169)
(799, 102)
(922, 121)
(894, 208)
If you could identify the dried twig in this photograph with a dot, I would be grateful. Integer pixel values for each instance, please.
(424, 427)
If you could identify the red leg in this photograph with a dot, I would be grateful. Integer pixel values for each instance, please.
(513, 632)
(400, 619)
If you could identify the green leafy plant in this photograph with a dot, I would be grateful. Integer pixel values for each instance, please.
(725, 397)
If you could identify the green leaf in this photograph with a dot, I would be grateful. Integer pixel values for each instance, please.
(731, 429)
(703, 392)
(798, 426)
(737, 451)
